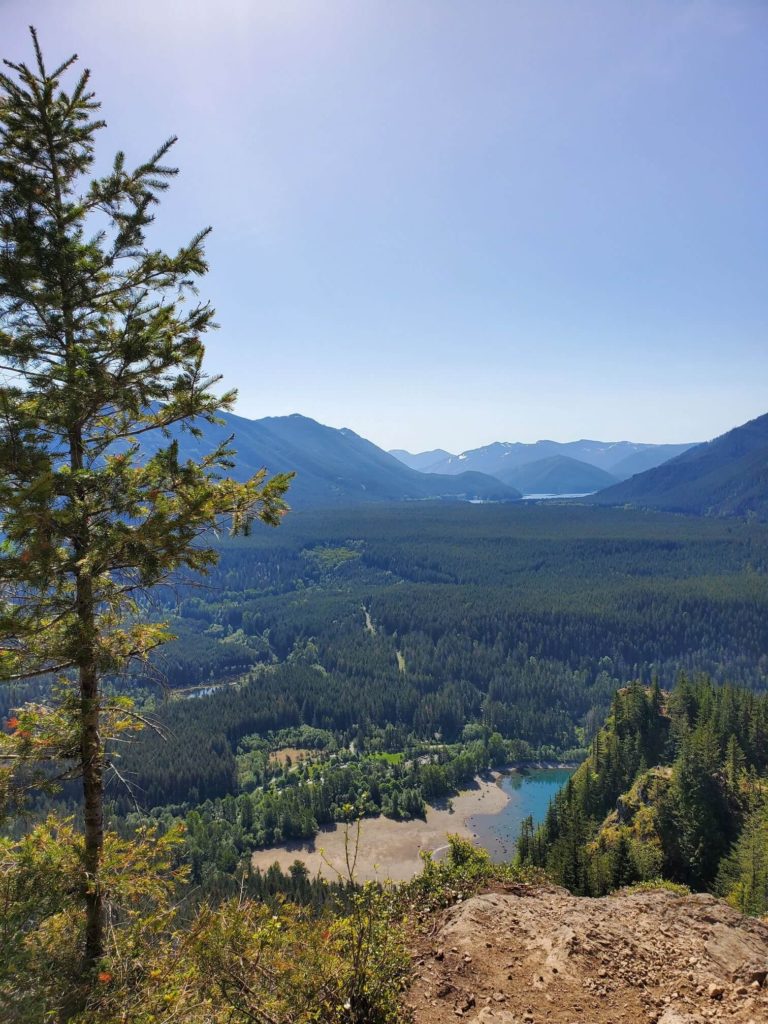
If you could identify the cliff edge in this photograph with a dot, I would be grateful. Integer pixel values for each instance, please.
(538, 955)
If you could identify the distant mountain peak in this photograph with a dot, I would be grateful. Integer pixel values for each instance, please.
(499, 458)
(421, 460)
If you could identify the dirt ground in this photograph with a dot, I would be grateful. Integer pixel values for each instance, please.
(537, 955)
(294, 753)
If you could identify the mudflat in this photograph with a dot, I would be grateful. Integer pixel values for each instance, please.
(387, 850)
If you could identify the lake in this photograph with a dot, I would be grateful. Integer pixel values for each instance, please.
(528, 794)
(546, 497)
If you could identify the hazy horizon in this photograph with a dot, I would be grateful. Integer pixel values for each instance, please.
(556, 440)
(443, 224)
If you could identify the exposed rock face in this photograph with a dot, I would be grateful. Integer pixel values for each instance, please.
(535, 955)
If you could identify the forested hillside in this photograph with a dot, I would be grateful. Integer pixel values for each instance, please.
(726, 477)
(522, 619)
(558, 474)
(675, 786)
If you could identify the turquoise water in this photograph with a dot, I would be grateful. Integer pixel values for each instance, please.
(528, 794)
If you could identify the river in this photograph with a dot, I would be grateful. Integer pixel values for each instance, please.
(529, 794)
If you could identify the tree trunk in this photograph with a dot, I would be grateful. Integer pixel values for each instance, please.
(92, 767)
(92, 760)
(91, 746)
(91, 749)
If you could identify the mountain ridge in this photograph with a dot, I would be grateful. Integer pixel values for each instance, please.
(333, 466)
(420, 460)
(725, 476)
(499, 457)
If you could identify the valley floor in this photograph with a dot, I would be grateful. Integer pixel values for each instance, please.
(387, 849)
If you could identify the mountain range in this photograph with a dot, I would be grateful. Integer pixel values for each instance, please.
(621, 459)
(421, 460)
(334, 467)
(726, 476)
(549, 467)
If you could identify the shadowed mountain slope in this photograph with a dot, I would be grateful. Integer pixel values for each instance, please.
(333, 467)
(727, 476)
(558, 474)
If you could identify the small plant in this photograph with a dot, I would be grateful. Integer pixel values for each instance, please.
(373, 937)
(652, 884)
(464, 870)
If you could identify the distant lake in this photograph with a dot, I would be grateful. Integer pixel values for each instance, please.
(528, 795)
(541, 497)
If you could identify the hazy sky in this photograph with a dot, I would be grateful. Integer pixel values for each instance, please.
(447, 222)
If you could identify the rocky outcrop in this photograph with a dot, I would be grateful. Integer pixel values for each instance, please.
(645, 792)
(537, 955)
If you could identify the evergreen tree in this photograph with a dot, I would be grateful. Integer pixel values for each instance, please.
(734, 766)
(622, 868)
(743, 875)
(101, 346)
(700, 809)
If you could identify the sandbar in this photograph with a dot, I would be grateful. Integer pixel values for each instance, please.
(388, 850)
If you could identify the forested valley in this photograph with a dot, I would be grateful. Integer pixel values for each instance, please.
(218, 638)
(400, 650)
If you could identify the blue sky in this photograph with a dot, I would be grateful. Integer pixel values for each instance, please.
(447, 222)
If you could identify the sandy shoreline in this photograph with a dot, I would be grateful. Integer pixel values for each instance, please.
(389, 849)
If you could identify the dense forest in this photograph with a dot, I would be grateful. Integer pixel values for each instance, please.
(676, 787)
(402, 649)
(421, 620)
